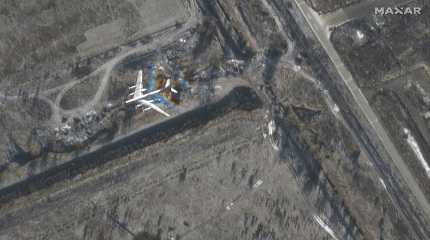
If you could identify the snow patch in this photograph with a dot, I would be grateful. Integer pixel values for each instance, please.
(272, 127)
(360, 35)
(383, 184)
(415, 147)
(272, 130)
(335, 109)
(297, 68)
(424, 94)
(325, 227)
(264, 135)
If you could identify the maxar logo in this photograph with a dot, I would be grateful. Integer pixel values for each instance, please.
(398, 11)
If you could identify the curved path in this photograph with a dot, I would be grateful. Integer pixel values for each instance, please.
(106, 70)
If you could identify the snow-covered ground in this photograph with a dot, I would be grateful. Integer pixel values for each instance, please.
(415, 147)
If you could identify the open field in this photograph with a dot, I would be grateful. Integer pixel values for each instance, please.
(391, 69)
(144, 18)
(263, 141)
(328, 6)
(64, 33)
(409, 113)
(186, 204)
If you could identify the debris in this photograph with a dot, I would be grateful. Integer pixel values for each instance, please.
(258, 183)
(229, 206)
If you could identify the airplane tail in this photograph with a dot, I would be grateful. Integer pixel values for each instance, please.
(169, 86)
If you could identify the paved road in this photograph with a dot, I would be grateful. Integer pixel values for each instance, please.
(289, 61)
(364, 106)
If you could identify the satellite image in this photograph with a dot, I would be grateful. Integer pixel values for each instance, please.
(214, 120)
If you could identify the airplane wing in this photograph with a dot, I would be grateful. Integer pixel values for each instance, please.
(153, 106)
(142, 96)
(143, 104)
(139, 85)
(151, 93)
(138, 89)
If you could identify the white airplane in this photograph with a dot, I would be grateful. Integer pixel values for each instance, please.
(141, 99)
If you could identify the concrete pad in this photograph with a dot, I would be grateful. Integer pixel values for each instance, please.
(104, 36)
